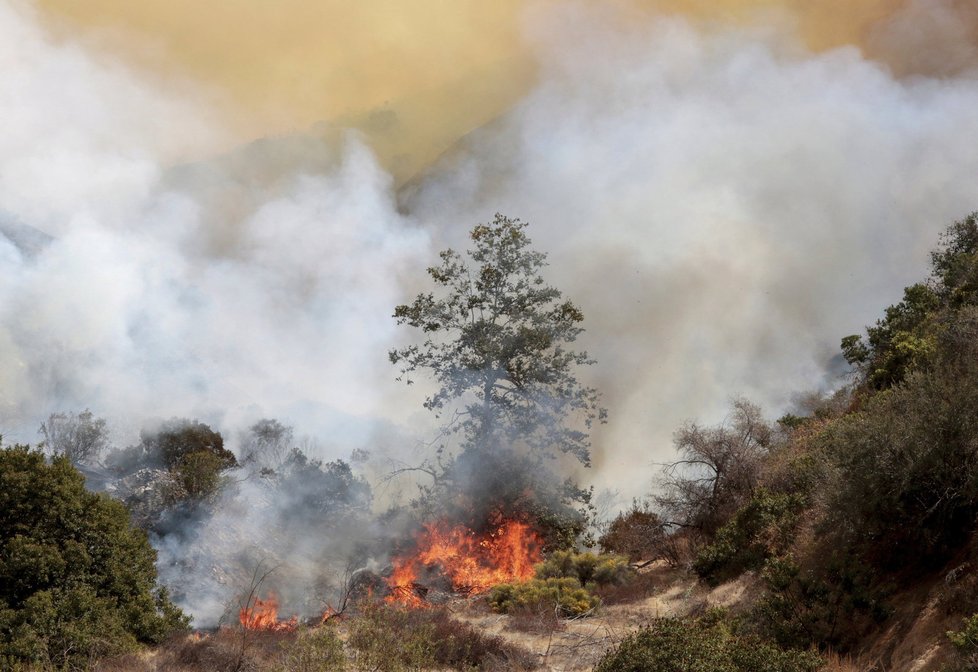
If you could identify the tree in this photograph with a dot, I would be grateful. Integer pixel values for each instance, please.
(81, 438)
(906, 336)
(717, 472)
(193, 452)
(266, 444)
(77, 580)
(497, 342)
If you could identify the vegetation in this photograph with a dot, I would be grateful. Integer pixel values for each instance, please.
(638, 534)
(871, 487)
(193, 453)
(80, 437)
(497, 341)
(318, 651)
(314, 488)
(77, 581)
(701, 645)
(587, 568)
(965, 642)
(717, 471)
(882, 473)
(763, 528)
(563, 596)
(385, 637)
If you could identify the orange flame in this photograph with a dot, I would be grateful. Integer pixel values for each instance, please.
(328, 613)
(472, 563)
(263, 615)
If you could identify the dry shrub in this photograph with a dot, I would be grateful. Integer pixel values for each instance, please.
(319, 650)
(638, 533)
(637, 588)
(835, 662)
(462, 647)
(535, 621)
(226, 650)
(130, 662)
(393, 638)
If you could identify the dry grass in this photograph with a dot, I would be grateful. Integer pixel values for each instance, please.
(223, 651)
(535, 621)
(837, 663)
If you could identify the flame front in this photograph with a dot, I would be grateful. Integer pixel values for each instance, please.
(472, 563)
(263, 615)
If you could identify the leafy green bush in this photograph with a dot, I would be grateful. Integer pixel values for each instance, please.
(905, 337)
(199, 473)
(906, 487)
(762, 528)
(586, 568)
(701, 645)
(834, 605)
(965, 642)
(562, 595)
(77, 581)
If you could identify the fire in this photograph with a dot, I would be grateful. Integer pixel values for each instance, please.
(473, 563)
(263, 615)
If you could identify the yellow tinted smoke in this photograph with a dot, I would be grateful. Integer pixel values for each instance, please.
(414, 76)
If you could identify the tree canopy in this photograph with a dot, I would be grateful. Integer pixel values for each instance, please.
(906, 334)
(77, 580)
(498, 343)
(497, 340)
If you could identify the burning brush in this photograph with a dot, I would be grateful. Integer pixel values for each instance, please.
(262, 614)
(472, 563)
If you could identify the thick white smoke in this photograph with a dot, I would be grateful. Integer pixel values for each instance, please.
(131, 309)
(724, 205)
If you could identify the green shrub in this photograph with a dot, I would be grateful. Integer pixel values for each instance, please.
(965, 642)
(178, 438)
(77, 581)
(562, 595)
(906, 488)
(586, 568)
(834, 605)
(199, 473)
(701, 645)
(762, 528)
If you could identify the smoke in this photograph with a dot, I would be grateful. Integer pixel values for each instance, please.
(725, 189)
(411, 77)
(133, 309)
(415, 77)
(724, 204)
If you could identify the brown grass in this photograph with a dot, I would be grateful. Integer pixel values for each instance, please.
(535, 621)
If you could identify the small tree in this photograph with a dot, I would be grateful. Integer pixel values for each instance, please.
(717, 472)
(266, 444)
(80, 437)
(77, 581)
(497, 342)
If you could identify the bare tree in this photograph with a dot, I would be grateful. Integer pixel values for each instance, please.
(266, 444)
(81, 437)
(717, 471)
